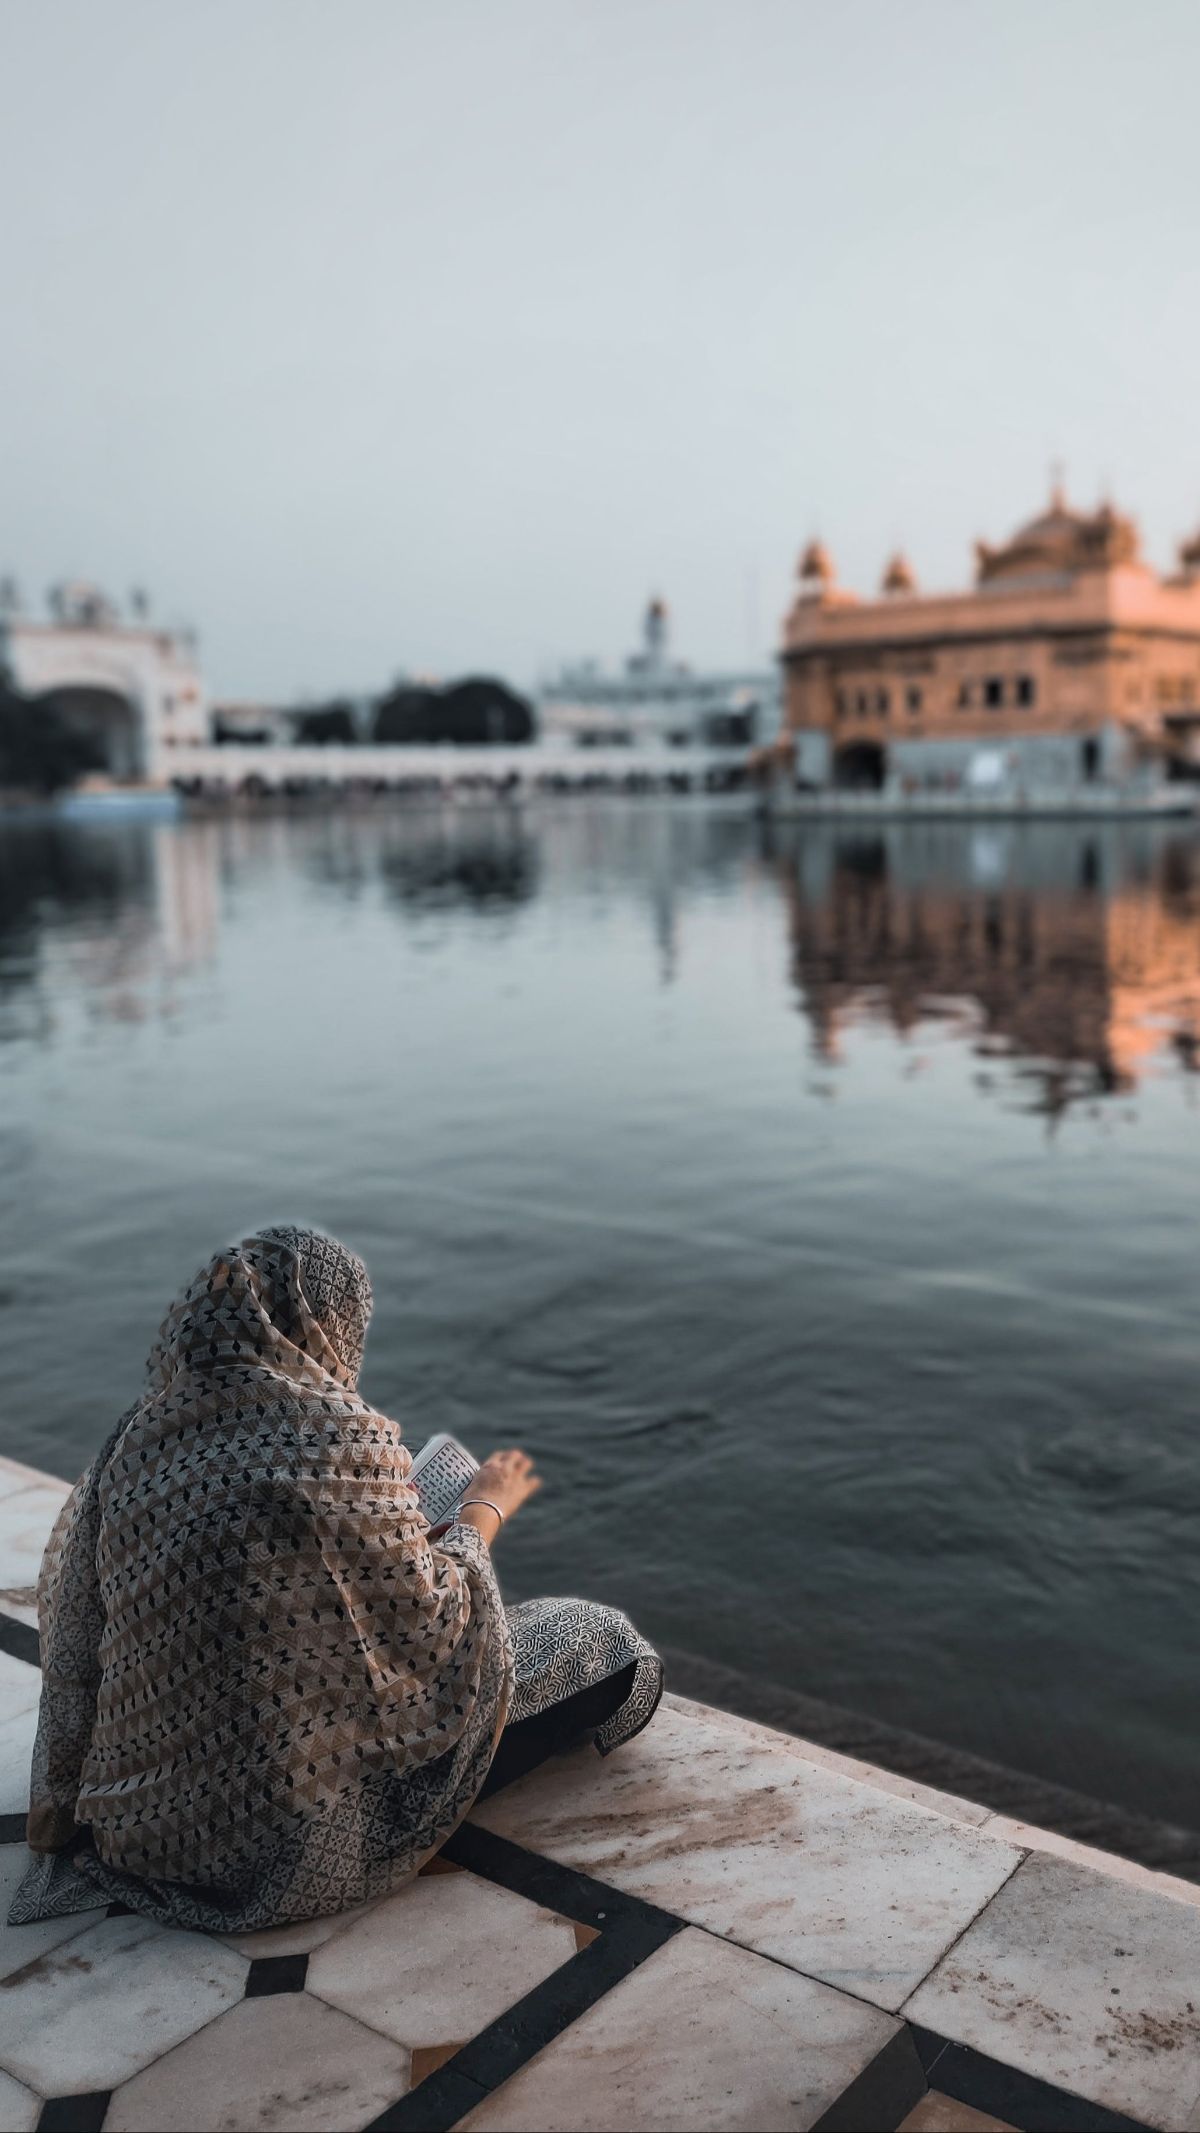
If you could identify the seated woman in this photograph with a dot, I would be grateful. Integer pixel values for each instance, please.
(269, 1693)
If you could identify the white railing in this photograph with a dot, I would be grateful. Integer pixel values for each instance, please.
(238, 767)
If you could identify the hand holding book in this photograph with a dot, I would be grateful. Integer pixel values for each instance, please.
(444, 1472)
(506, 1480)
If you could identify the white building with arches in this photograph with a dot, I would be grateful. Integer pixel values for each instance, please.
(137, 690)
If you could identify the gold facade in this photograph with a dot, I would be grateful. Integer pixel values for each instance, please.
(1067, 630)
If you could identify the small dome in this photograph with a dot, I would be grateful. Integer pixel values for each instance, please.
(816, 565)
(1061, 542)
(899, 576)
(1189, 552)
(1055, 529)
(1059, 523)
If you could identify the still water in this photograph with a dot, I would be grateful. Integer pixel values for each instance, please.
(819, 1209)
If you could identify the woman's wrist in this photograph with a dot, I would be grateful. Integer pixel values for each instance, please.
(485, 1517)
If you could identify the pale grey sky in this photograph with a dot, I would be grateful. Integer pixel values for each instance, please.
(371, 334)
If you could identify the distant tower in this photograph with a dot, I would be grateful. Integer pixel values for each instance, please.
(654, 633)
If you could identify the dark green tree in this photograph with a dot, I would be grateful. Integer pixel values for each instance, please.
(481, 710)
(471, 713)
(406, 715)
(325, 723)
(229, 736)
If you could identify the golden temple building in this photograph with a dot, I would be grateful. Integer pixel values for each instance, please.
(1069, 666)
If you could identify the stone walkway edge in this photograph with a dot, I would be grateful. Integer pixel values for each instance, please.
(721, 1926)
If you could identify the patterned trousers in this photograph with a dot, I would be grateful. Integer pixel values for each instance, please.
(564, 1647)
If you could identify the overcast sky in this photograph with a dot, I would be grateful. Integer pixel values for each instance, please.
(370, 334)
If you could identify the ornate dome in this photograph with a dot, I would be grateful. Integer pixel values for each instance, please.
(1061, 541)
(899, 576)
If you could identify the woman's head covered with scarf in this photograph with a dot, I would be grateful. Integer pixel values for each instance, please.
(290, 1303)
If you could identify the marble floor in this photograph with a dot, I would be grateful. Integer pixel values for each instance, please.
(719, 1927)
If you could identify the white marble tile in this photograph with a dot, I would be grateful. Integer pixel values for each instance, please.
(701, 2035)
(94, 2011)
(26, 1517)
(16, 1752)
(20, 1686)
(14, 1475)
(901, 1788)
(730, 1831)
(296, 1939)
(22, 1945)
(283, 2064)
(437, 1962)
(1031, 1838)
(20, 2109)
(1085, 1981)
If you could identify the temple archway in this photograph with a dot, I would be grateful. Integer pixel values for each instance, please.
(860, 766)
(106, 718)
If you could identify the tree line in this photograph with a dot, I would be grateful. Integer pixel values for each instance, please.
(469, 714)
(42, 752)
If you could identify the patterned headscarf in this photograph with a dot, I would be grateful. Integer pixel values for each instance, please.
(266, 1695)
(298, 1302)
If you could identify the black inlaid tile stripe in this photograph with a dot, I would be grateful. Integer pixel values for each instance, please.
(75, 2114)
(508, 2044)
(269, 1974)
(20, 1640)
(628, 1932)
(1021, 2099)
(883, 2094)
(543, 1881)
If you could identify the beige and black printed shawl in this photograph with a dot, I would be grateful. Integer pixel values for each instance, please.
(266, 1696)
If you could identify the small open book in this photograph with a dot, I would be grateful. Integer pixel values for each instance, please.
(441, 1474)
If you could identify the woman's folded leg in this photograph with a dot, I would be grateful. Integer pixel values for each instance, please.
(526, 1742)
(581, 1670)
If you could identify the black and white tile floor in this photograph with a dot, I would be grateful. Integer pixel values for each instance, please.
(721, 1927)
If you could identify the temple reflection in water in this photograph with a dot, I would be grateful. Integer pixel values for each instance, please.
(1067, 956)
(1072, 954)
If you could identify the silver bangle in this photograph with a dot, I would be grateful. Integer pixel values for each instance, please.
(487, 1503)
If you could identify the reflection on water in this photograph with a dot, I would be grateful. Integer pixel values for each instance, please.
(1069, 955)
(128, 910)
(716, 1165)
(1072, 956)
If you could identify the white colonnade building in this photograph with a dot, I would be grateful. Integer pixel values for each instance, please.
(136, 689)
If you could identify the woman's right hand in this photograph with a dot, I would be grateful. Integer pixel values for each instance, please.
(507, 1479)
